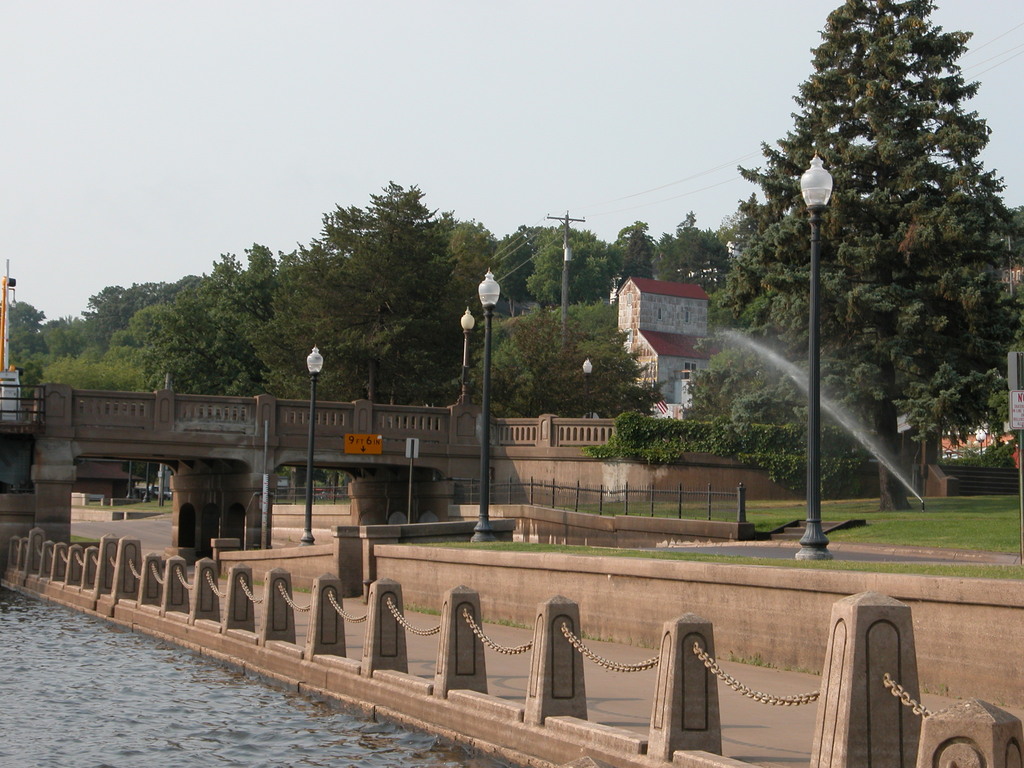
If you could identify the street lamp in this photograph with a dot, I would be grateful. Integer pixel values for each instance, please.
(816, 187)
(314, 362)
(489, 291)
(588, 368)
(467, 321)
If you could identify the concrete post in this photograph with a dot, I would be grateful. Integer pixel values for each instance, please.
(175, 594)
(150, 590)
(240, 613)
(76, 558)
(384, 645)
(207, 603)
(556, 686)
(59, 567)
(35, 551)
(90, 558)
(859, 721)
(326, 632)
(278, 617)
(971, 733)
(685, 712)
(127, 563)
(461, 663)
(46, 561)
(106, 555)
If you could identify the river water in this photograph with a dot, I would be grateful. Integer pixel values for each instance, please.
(78, 692)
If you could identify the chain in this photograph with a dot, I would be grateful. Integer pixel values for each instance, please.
(401, 620)
(288, 599)
(490, 643)
(762, 698)
(79, 558)
(245, 588)
(152, 568)
(213, 585)
(113, 565)
(341, 611)
(614, 666)
(900, 693)
(131, 567)
(63, 555)
(185, 584)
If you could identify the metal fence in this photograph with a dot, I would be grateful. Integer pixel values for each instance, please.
(692, 503)
(331, 494)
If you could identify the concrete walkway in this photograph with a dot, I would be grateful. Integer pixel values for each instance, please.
(752, 732)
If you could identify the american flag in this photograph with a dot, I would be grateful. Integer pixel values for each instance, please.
(662, 407)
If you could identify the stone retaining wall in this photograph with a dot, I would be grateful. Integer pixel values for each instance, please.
(969, 630)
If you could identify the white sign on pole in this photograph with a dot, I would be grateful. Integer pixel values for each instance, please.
(1017, 409)
(412, 447)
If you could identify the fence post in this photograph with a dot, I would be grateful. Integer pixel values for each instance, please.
(278, 617)
(971, 732)
(741, 504)
(556, 686)
(552, 493)
(650, 491)
(461, 662)
(384, 643)
(679, 511)
(576, 508)
(325, 634)
(625, 500)
(709, 501)
(600, 500)
(531, 490)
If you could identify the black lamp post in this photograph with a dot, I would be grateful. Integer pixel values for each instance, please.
(588, 368)
(816, 186)
(489, 291)
(314, 362)
(467, 321)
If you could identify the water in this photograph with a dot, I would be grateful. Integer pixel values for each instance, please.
(77, 691)
(840, 414)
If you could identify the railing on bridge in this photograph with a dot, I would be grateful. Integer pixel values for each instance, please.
(697, 503)
(21, 414)
(554, 432)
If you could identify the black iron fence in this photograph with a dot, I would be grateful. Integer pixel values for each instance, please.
(693, 503)
(330, 494)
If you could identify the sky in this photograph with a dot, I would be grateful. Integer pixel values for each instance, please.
(143, 140)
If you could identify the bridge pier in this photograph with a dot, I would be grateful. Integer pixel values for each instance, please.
(53, 474)
(213, 501)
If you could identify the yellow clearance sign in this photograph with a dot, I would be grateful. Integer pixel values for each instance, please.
(363, 444)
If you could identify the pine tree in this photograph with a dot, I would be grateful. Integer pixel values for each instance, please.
(913, 321)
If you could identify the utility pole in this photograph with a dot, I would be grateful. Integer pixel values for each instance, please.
(567, 257)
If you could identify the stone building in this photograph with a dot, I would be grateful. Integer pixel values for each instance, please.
(663, 322)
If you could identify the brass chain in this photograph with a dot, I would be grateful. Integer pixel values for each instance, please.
(762, 698)
(288, 599)
(614, 666)
(213, 585)
(152, 568)
(245, 588)
(131, 567)
(177, 572)
(490, 643)
(401, 620)
(900, 693)
(341, 611)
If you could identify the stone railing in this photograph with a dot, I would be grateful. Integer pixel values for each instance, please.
(869, 654)
(553, 432)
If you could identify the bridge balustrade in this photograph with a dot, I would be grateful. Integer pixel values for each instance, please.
(113, 409)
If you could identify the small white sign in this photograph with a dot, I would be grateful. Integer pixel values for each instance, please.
(412, 447)
(1017, 409)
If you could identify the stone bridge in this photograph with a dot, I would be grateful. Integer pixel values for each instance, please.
(220, 447)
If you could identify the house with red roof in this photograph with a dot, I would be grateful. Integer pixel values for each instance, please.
(663, 323)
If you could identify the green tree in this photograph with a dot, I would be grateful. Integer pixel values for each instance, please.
(692, 255)
(207, 338)
(592, 270)
(112, 309)
(514, 266)
(909, 307)
(376, 294)
(637, 247)
(532, 373)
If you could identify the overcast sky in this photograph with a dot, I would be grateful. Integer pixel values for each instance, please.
(142, 140)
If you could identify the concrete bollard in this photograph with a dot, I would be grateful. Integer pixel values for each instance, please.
(685, 712)
(89, 560)
(278, 617)
(14, 554)
(556, 686)
(206, 604)
(176, 595)
(326, 632)
(106, 555)
(76, 564)
(384, 644)
(46, 561)
(461, 663)
(127, 563)
(150, 589)
(59, 566)
(35, 546)
(859, 721)
(971, 734)
(240, 613)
